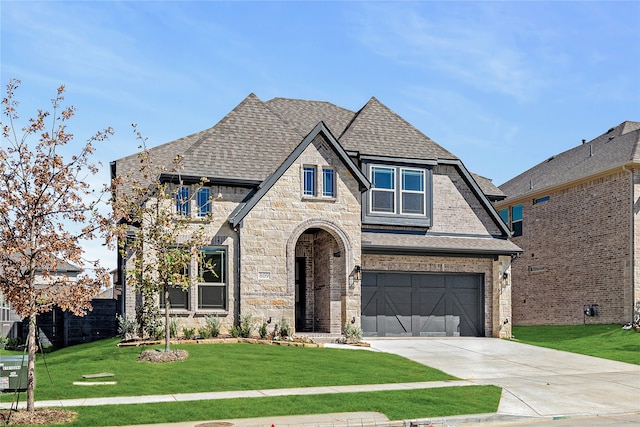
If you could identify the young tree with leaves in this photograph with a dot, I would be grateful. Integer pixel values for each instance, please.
(47, 210)
(155, 232)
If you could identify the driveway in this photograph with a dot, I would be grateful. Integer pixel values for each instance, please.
(536, 382)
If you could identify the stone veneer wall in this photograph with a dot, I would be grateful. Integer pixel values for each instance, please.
(576, 253)
(271, 230)
(497, 291)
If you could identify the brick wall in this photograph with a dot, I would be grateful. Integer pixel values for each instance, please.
(576, 253)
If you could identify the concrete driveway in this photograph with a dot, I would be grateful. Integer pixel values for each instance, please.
(536, 382)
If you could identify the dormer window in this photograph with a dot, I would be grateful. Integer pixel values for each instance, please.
(398, 195)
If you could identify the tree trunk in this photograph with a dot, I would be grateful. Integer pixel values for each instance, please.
(167, 320)
(31, 364)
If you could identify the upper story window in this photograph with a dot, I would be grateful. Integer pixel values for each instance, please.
(309, 180)
(513, 218)
(516, 220)
(204, 201)
(182, 200)
(328, 182)
(398, 195)
(325, 188)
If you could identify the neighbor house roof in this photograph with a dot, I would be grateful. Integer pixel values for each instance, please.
(618, 146)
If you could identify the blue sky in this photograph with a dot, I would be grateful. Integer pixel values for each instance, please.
(502, 85)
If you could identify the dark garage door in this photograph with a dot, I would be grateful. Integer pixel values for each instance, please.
(422, 304)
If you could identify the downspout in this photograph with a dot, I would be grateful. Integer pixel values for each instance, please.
(239, 273)
(632, 242)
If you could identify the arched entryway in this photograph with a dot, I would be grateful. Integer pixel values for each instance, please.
(319, 259)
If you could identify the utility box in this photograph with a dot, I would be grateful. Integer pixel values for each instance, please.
(13, 373)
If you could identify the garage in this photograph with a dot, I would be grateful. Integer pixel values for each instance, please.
(422, 304)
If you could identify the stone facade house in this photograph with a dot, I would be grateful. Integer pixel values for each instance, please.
(576, 217)
(322, 216)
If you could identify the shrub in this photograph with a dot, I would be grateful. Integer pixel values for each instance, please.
(352, 333)
(213, 324)
(188, 332)
(204, 332)
(235, 332)
(285, 329)
(245, 327)
(263, 330)
(126, 327)
(173, 327)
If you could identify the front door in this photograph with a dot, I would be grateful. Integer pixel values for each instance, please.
(300, 294)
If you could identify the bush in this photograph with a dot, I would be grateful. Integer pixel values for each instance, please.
(213, 324)
(188, 332)
(263, 330)
(352, 333)
(285, 329)
(245, 327)
(204, 332)
(173, 327)
(126, 327)
(235, 332)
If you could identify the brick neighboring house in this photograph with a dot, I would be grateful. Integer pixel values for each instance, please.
(322, 216)
(576, 217)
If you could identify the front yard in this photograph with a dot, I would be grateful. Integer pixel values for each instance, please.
(223, 367)
(605, 341)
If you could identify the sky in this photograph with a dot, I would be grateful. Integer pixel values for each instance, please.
(502, 85)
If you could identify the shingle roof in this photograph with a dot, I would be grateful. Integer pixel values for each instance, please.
(376, 130)
(488, 187)
(616, 147)
(252, 140)
(305, 115)
(436, 244)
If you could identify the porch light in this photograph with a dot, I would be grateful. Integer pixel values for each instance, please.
(358, 272)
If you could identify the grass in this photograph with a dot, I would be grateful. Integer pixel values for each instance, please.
(395, 405)
(223, 367)
(605, 341)
(218, 367)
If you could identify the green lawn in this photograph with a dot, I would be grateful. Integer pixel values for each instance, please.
(396, 405)
(605, 341)
(223, 367)
(218, 367)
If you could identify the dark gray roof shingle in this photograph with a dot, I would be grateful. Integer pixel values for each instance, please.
(376, 130)
(614, 148)
(437, 244)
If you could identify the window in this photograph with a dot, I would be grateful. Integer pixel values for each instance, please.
(413, 194)
(178, 298)
(182, 200)
(212, 278)
(383, 189)
(328, 182)
(504, 214)
(399, 195)
(516, 220)
(309, 181)
(541, 200)
(204, 201)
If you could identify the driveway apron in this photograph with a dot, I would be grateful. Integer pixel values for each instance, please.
(536, 381)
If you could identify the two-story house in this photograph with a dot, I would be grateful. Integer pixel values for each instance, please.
(321, 216)
(576, 217)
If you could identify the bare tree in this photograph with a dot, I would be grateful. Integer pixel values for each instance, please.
(47, 210)
(156, 231)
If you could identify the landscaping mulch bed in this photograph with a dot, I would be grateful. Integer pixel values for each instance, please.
(159, 356)
(38, 417)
